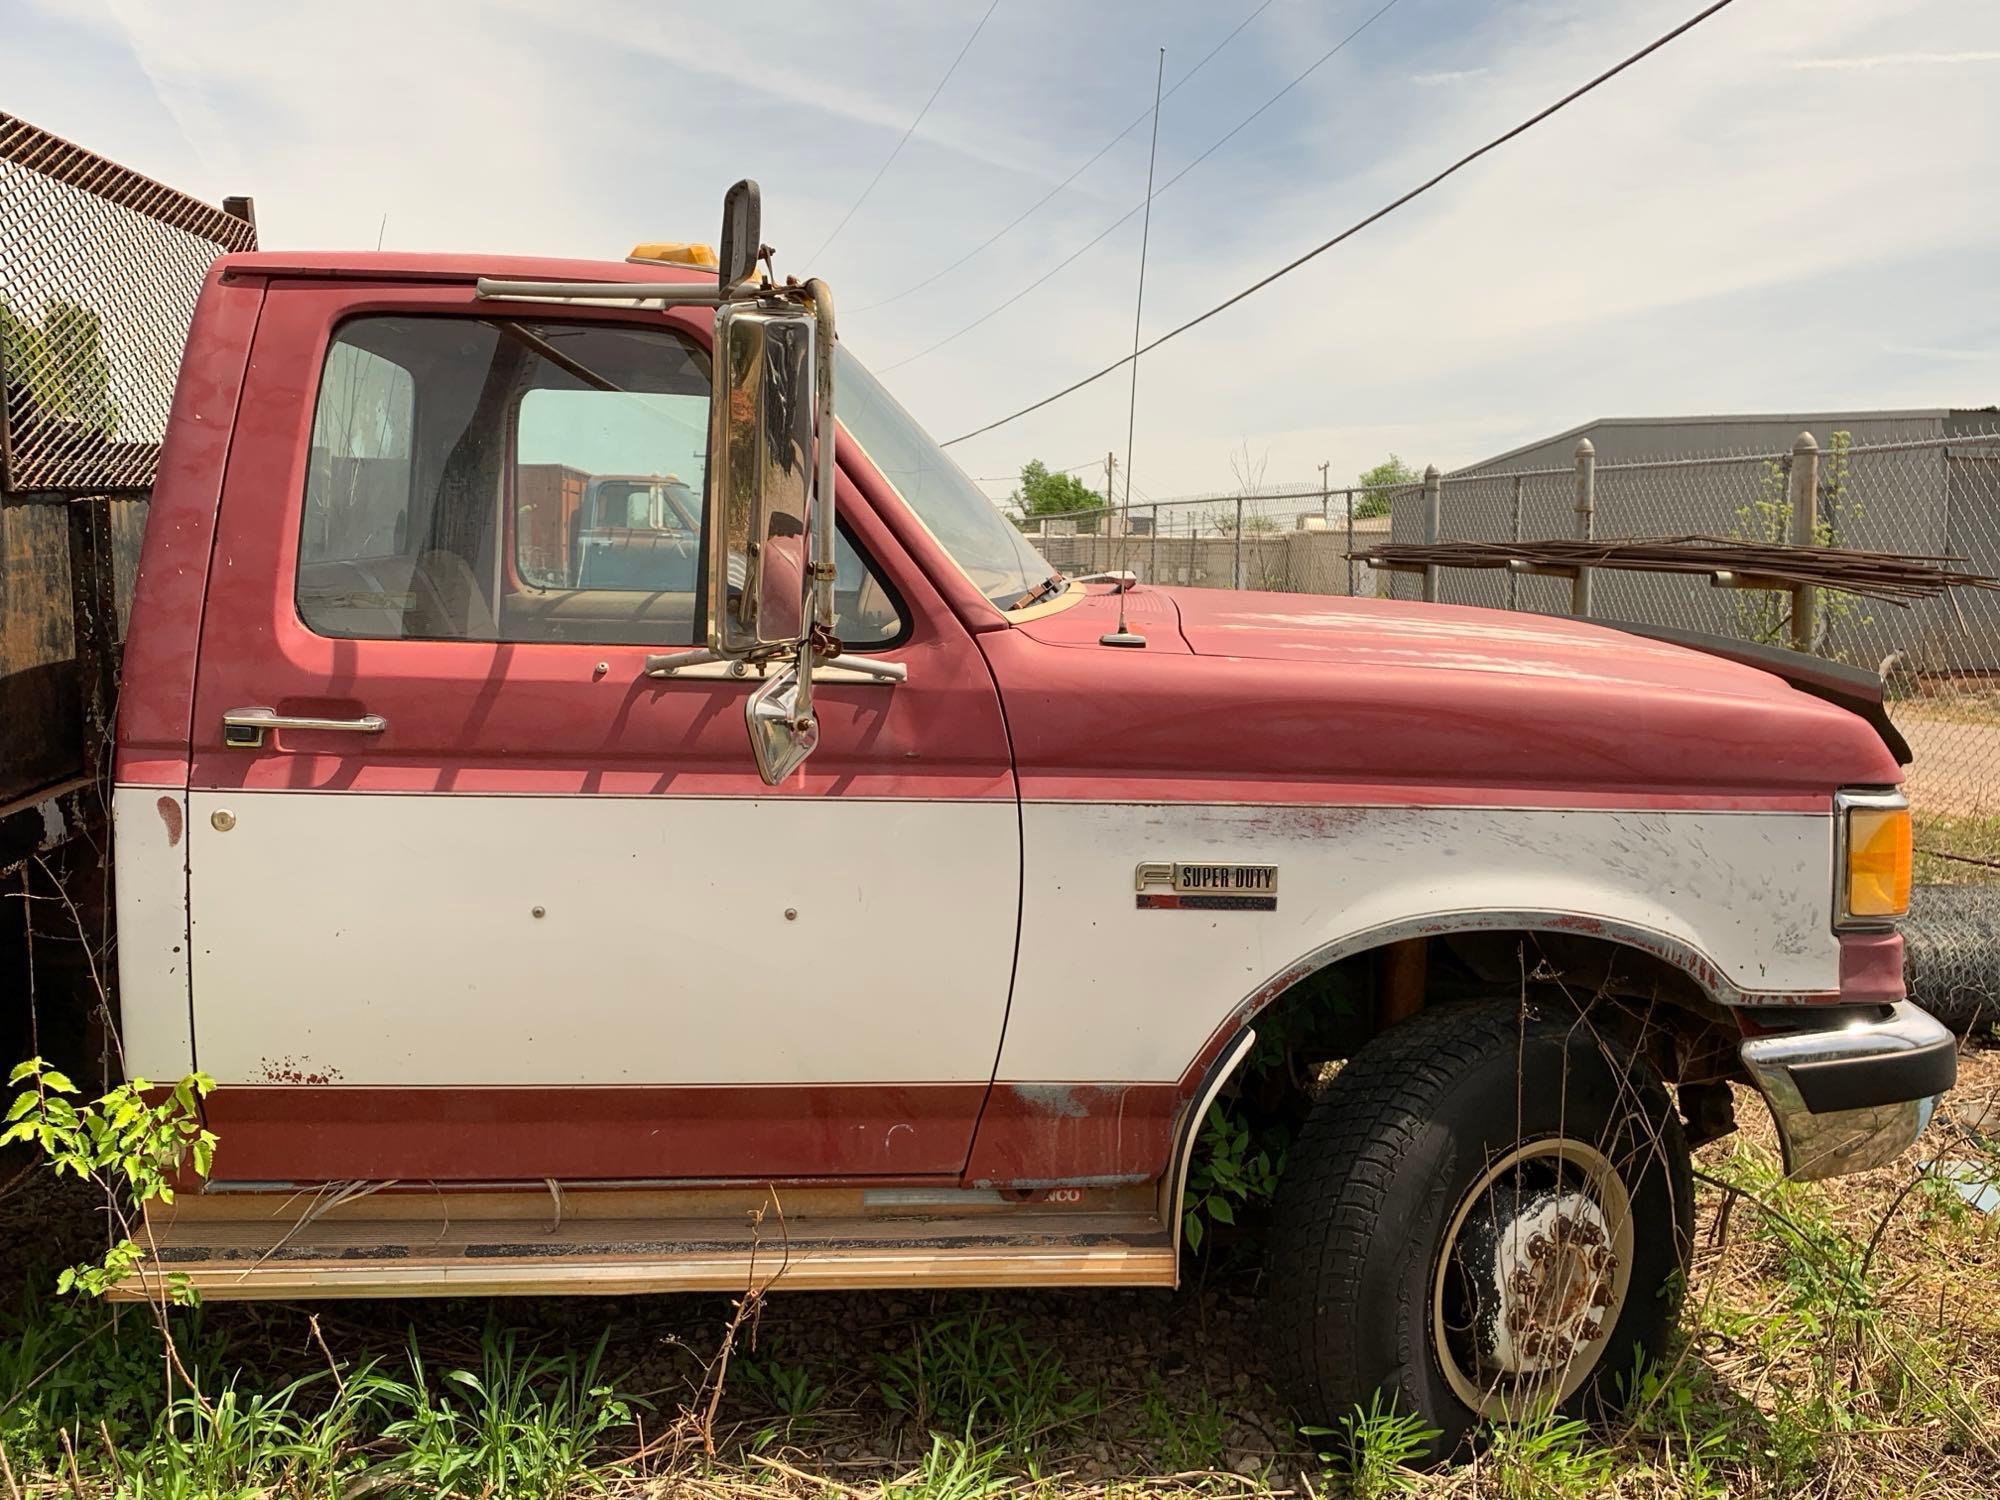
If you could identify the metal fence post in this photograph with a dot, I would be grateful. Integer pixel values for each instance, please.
(1433, 486)
(1153, 550)
(1350, 544)
(1513, 579)
(1805, 533)
(1239, 544)
(1586, 521)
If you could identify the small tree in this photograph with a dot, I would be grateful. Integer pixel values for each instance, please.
(61, 362)
(1045, 494)
(1380, 484)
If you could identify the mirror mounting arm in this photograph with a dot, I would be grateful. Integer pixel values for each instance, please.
(820, 296)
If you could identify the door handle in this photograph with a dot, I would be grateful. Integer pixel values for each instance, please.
(244, 728)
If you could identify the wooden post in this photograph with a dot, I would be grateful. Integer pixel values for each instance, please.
(1805, 533)
(1586, 521)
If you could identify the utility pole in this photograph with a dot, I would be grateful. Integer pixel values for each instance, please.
(1322, 488)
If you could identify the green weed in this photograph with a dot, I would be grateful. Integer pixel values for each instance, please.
(1546, 1457)
(1378, 1447)
(526, 1423)
(1188, 1432)
(981, 1374)
(247, 1444)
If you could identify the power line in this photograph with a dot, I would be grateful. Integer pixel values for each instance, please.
(1353, 229)
(1128, 214)
(1036, 207)
(906, 134)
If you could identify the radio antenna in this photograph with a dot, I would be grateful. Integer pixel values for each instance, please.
(1123, 635)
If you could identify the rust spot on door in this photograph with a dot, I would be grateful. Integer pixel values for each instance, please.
(170, 814)
(301, 1070)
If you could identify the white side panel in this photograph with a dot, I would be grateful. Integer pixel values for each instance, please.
(458, 939)
(1109, 992)
(149, 847)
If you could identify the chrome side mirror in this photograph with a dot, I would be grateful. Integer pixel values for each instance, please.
(760, 480)
(782, 733)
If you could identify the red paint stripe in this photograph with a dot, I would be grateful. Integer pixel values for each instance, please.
(334, 775)
(325, 1133)
(1051, 1134)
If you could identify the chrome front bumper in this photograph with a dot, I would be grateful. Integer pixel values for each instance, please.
(1854, 1095)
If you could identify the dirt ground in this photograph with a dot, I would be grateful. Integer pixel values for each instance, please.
(1956, 772)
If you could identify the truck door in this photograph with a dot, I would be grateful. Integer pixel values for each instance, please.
(473, 897)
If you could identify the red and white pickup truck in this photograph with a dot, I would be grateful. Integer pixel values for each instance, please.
(539, 936)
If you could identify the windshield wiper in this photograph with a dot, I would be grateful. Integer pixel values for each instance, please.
(1040, 591)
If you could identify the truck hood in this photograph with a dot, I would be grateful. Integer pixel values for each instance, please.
(1316, 630)
(1289, 688)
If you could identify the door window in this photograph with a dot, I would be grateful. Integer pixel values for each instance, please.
(501, 480)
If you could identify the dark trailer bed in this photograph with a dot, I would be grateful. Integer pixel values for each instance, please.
(99, 271)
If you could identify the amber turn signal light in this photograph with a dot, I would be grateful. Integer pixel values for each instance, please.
(1879, 860)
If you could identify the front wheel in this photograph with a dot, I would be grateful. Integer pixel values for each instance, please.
(1487, 1214)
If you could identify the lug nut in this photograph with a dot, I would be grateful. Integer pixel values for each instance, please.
(1538, 1247)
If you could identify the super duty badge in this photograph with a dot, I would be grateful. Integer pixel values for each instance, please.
(1205, 887)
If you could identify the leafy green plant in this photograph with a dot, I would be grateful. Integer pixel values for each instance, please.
(1231, 1168)
(129, 1148)
(1671, 1406)
(1377, 1448)
(68, 1367)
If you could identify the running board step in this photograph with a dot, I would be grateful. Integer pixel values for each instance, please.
(261, 1250)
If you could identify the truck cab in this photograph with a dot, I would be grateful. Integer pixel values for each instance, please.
(442, 847)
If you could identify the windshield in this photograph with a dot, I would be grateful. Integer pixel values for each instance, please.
(970, 527)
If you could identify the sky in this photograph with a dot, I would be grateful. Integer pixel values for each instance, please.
(1789, 209)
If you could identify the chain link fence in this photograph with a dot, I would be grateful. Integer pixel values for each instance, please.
(99, 271)
(1285, 538)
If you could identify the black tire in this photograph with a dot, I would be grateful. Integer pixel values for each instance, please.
(1381, 1170)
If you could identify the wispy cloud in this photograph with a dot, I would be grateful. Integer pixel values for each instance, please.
(1640, 253)
(1897, 60)
(1457, 75)
(1933, 351)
